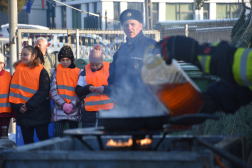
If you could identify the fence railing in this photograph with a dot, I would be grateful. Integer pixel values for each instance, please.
(4, 45)
(204, 31)
(82, 41)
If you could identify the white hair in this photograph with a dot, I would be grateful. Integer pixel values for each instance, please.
(41, 38)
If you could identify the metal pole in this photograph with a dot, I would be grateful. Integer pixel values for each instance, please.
(148, 14)
(77, 44)
(12, 29)
(194, 8)
(186, 30)
(13, 43)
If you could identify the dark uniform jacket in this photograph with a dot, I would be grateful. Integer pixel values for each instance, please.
(39, 107)
(126, 87)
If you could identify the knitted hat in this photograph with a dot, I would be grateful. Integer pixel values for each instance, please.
(95, 55)
(2, 58)
(66, 52)
(131, 14)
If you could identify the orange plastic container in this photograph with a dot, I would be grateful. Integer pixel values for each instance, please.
(171, 86)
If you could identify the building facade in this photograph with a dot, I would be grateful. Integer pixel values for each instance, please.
(37, 15)
(162, 10)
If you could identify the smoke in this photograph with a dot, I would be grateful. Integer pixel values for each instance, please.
(131, 97)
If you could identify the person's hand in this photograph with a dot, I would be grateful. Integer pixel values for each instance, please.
(23, 109)
(99, 89)
(91, 88)
(68, 108)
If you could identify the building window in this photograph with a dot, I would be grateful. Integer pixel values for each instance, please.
(87, 8)
(179, 11)
(226, 11)
(95, 8)
(117, 25)
(154, 13)
(76, 17)
(135, 5)
(50, 14)
(206, 11)
(63, 17)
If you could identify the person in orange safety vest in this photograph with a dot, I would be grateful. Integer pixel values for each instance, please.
(5, 105)
(29, 95)
(91, 84)
(66, 104)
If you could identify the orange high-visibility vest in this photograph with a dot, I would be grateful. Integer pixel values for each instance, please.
(5, 106)
(24, 83)
(95, 101)
(67, 79)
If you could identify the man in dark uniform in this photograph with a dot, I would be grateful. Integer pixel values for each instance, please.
(126, 87)
(232, 65)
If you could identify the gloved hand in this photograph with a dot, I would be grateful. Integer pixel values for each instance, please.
(165, 52)
(68, 108)
(179, 48)
(99, 89)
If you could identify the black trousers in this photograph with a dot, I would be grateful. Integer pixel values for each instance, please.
(90, 119)
(41, 131)
(59, 127)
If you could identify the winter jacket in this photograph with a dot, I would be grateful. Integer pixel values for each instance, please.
(57, 112)
(39, 107)
(126, 87)
(49, 62)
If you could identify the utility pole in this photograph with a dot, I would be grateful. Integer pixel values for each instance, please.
(12, 5)
(12, 29)
(148, 14)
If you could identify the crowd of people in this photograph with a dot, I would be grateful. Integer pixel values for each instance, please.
(78, 94)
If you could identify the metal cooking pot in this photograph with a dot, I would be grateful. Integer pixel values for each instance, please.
(151, 123)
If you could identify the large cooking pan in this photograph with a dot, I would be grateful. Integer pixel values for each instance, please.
(151, 123)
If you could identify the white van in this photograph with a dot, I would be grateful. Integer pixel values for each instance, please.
(4, 33)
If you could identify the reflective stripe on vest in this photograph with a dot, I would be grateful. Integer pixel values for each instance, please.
(205, 62)
(66, 87)
(5, 105)
(5, 80)
(216, 44)
(67, 79)
(242, 66)
(101, 102)
(25, 83)
(95, 101)
(95, 94)
(4, 96)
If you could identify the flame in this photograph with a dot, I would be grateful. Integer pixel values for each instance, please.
(145, 141)
(142, 142)
(111, 142)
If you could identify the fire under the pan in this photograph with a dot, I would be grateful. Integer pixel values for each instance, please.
(130, 144)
